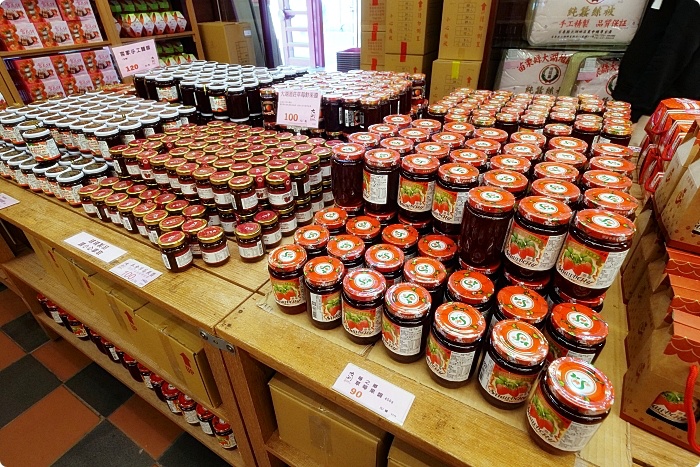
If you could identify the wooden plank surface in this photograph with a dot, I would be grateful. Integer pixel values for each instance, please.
(651, 451)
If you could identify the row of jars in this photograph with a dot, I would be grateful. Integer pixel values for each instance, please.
(178, 402)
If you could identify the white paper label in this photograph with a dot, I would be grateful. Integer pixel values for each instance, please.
(93, 246)
(6, 201)
(216, 257)
(135, 272)
(136, 57)
(375, 188)
(298, 107)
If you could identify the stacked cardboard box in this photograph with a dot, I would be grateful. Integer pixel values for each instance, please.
(228, 42)
(373, 34)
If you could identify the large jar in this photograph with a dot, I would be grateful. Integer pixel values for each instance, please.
(404, 237)
(285, 265)
(333, 219)
(472, 288)
(574, 330)
(595, 248)
(405, 322)
(347, 248)
(523, 304)
(386, 259)
(561, 190)
(368, 229)
(380, 181)
(610, 200)
(605, 179)
(313, 238)
(362, 299)
(323, 278)
(440, 248)
(454, 181)
(428, 273)
(346, 173)
(417, 187)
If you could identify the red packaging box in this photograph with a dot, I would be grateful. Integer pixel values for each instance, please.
(60, 64)
(13, 11)
(683, 264)
(75, 64)
(74, 10)
(54, 33)
(44, 90)
(659, 122)
(33, 70)
(42, 10)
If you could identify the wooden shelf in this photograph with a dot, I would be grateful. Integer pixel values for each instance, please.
(233, 457)
(52, 50)
(159, 37)
(287, 453)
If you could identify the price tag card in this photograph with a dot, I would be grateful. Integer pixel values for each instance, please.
(6, 201)
(136, 57)
(93, 246)
(376, 394)
(298, 107)
(137, 273)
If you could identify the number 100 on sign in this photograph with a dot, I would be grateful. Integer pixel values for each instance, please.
(298, 107)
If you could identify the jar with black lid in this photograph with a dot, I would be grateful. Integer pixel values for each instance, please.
(417, 187)
(333, 116)
(70, 182)
(41, 144)
(166, 89)
(175, 251)
(380, 181)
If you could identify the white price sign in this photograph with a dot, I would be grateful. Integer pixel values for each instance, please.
(136, 57)
(93, 246)
(298, 107)
(135, 272)
(376, 394)
(6, 201)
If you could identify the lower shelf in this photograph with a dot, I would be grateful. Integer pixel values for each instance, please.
(233, 457)
(288, 454)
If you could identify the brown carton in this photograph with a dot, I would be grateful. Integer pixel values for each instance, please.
(228, 42)
(403, 454)
(450, 74)
(412, 27)
(373, 15)
(325, 432)
(124, 305)
(463, 31)
(372, 48)
(687, 153)
(680, 218)
(410, 63)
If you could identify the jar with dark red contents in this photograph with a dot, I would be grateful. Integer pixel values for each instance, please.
(323, 280)
(404, 144)
(205, 418)
(610, 200)
(175, 251)
(611, 150)
(171, 167)
(112, 202)
(367, 140)
(317, 200)
(362, 305)
(77, 328)
(111, 351)
(597, 244)
(279, 189)
(213, 245)
(568, 143)
(507, 122)
(417, 186)
(487, 146)
(220, 187)
(440, 248)
(605, 179)
(188, 408)
(454, 181)
(85, 194)
(271, 231)
(313, 162)
(586, 130)
(259, 173)
(70, 183)
(191, 228)
(615, 133)
(368, 229)
(454, 345)
(532, 122)
(491, 134)
(349, 249)
(510, 162)
(333, 219)
(171, 395)
(401, 121)
(98, 200)
(303, 212)
(513, 182)
(554, 130)
(560, 190)
(380, 180)
(472, 288)
(243, 196)
(164, 199)
(433, 126)
(126, 214)
(250, 246)
(314, 239)
(515, 355)
(428, 273)
(346, 173)
(157, 383)
(574, 330)
(402, 236)
(563, 156)
(132, 366)
(285, 265)
(223, 433)
(387, 260)
(152, 222)
(475, 158)
(287, 220)
(406, 321)
(203, 185)
(520, 303)
(528, 137)
(613, 164)
(299, 174)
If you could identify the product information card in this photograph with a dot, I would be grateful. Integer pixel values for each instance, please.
(93, 246)
(298, 107)
(135, 272)
(6, 201)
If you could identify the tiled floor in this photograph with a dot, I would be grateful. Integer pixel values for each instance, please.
(61, 409)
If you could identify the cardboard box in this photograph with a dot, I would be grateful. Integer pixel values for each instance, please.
(373, 15)
(124, 305)
(659, 121)
(327, 433)
(403, 454)
(448, 75)
(99, 290)
(463, 31)
(680, 218)
(412, 27)
(410, 63)
(54, 33)
(228, 42)
(42, 10)
(686, 154)
(372, 48)
(650, 249)
(533, 71)
(371, 67)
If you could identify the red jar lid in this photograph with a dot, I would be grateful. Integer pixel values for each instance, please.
(437, 150)
(274, 178)
(580, 323)
(346, 247)
(402, 145)
(194, 210)
(544, 211)
(458, 174)
(332, 218)
(89, 189)
(324, 271)
(564, 156)
(613, 164)
(266, 218)
(368, 140)
(116, 198)
(312, 236)
(580, 386)
(528, 137)
(439, 247)
(556, 170)
(401, 121)
(289, 156)
(433, 126)
(420, 164)
(164, 198)
(424, 271)
(400, 235)
(606, 179)
(287, 258)
(490, 199)
(528, 151)
(122, 185)
(588, 125)
(364, 227)
(384, 258)
(364, 285)
(384, 130)
(108, 182)
(519, 342)
(185, 402)
(557, 189)
(310, 159)
(172, 239)
(211, 234)
(128, 204)
(407, 301)
(463, 128)
(177, 205)
(487, 146)
(604, 225)
(509, 180)
(451, 140)
(194, 225)
(470, 287)
(172, 222)
(220, 425)
(169, 390)
(533, 118)
(248, 230)
(348, 151)
(611, 150)
(558, 129)
(144, 208)
(494, 134)
(568, 143)
(472, 157)
(517, 302)
(382, 158)
(611, 200)
(510, 162)
(459, 322)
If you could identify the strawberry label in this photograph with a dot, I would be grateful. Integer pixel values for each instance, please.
(362, 323)
(451, 366)
(502, 384)
(448, 206)
(416, 196)
(669, 407)
(400, 339)
(375, 188)
(289, 292)
(588, 267)
(325, 307)
(532, 251)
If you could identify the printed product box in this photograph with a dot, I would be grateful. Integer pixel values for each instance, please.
(683, 264)
(158, 22)
(659, 122)
(412, 26)
(33, 70)
(130, 25)
(373, 15)
(42, 10)
(75, 64)
(83, 83)
(60, 64)
(75, 10)
(54, 33)
(69, 85)
(463, 31)
(174, 22)
(450, 74)
(650, 248)
(91, 30)
(44, 90)
(27, 36)
(13, 11)
(597, 76)
(372, 48)
(680, 218)
(533, 71)
(124, 305)
(148, 26)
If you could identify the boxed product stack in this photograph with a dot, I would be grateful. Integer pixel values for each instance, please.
(373, 34)
(462, 39)
(143, 18)
(30, 24)
(412, 35)
(598, 76)
(172, 53)
(532, 71)
(40, 78)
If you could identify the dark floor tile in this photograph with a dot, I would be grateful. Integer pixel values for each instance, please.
(188, 452)
(22, 384)
(99, 389)
(105, 446)
(26, 332)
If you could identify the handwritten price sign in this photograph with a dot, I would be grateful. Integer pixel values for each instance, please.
(136, 57)
(298, 107)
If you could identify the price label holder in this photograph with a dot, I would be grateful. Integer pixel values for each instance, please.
(93, 246)
(135, 272)
(298, 107)
(136, 57)
(7, 201)
(374, 393)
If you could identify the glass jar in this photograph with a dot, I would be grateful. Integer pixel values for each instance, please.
(475, 158)
(611, 150)
(51, 178)
(250, 246)
(510, 162)
(216, 93)
(166, 89)
(405, 321)
(323, 278)
(268, 100)
(362, 299)
(572, 399)
(485, 223)
(223, 433)
(514, 357)
(346, 173)
(126, 214)
(402, 236)
(454, 345)
(417, 187)
(238, 105)
(564, 156)
(205, 418)
(85, 194)
(70, 183)
(313, 162)
(365, 228)
(287, 220)
(213, 245)
(472, 288)
(387, 260)
(243, 196)
(610, 200)
(440, 248)
(560, 190)
(520, 303)
(349, 249)
(381, 180)
(370, 111)
(454, 181)
(428, 273)
(279, 189)
(150, 125)
(303, 212)
(175, 251)
(605, 179)
(285, 265)
(314, 239)
(574, 330)
(316, 200)
(299, 174)
(191, 228)
(352, 114)
(612, 164)
(587, 131)
(152, 222)
(220, 187)
(41, 144)
(594, 249)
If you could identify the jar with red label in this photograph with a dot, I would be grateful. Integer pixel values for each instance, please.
(454, 345)
(250, 246)
(492, 134)
(77, 328)
(574, 330)
(454, 181)
(279, 188)
(110, 350)
(347, 248)
(521, 303)
(362, 304)
(313, 238)
(387, 260)
(440, 248)
(572, 399)
(271, 231)
(323, 278)
(510, 162)
(402, 236)
(564, 156)
(514, 357)
(175, 251)
(285, 265)
(417, 186)
(513, 182)
(243, 196)
(333, 219)
(405, 321)
(475, 158)
(605, 179)
(206, 419)
(188, 408)
(171, 395)
(612, 164)
(472, 288)
(615, 201)
(428, 273)
(528, 137)
(528, 151)
(380, 180)
(346, 173)
(597, 244)
(223, 433)
(213, 246)
(126, 214)
(487, 146)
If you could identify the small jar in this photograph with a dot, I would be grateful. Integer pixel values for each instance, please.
(454, 181)
(317, 200)
(514, 357)
(271, 231)
(387, 260)
(333, 219)
(405, 321)
(112, 202)
(166, 89)
(250, 246)
(52, 179)
(144, 372)
(285, 265)
(347, 248)
(528, 137)
(362, 300)
(188, 187)
(299, 174)
(473, 157)
(313, 162)
(509, 162)
(259, 173)
(220, 187)
(224, 434)
(164, 199)
(171, 395)
(96, 171)
(28, 177)
(157, 383)
(150, 125)
(279, 189)
(352, 114)
(171, 223)
(417, 187)
(402, 236)
(523, 304)
(380, 180)
(189, 408)
(328, 199)
(107, 138)
(70, 183)
(213, 245)
(85, 194)
(303, 212)
(243, 196)
(130, 131)
(574, 330)
(323, 278)
(454, 345)
(131, 366)
(175, 251)
(314, 239)
(472, 288)
(41, 144)
(564, 156)
(111, 350)
(428, 273)
(217, 100)
(554, 130)
(572, 399)
(205, 418)
(126, 214)
(612, 164)
(77, 328)
(152, 222)
(99, 199)
(191, 228)
(288, 221)
(440, 248)
(366, 228)
(139, 213)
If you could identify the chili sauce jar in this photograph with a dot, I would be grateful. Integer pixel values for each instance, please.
(323, 278)
(366, 228)
(380, 180)
(454, 344)
(362, 303)
(213, 245)
(349, 249)
(571, 401)
(405, 321)
(454, 181)
(249, 238)
(417, 186)
(387, 260)
(514, 357)
(428, 273)
(285, 265)
(333, 219)
(175, 251)
(575, 330)
(473, 289)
